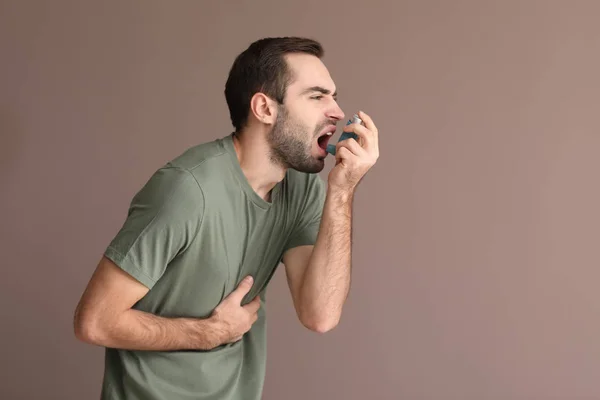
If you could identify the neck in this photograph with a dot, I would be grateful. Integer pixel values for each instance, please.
(253, 155)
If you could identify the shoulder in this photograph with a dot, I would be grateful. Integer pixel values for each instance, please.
(169, 191)
(195, 156)
(178, 184)
(207, 163)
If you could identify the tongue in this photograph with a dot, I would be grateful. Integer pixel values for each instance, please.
(323, 141)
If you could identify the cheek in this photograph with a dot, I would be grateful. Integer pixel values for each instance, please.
(303, 128)
(305, 123)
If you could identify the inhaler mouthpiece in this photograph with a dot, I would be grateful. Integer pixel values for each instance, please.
(345, 135)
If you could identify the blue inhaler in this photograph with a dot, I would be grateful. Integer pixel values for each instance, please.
(345, 135)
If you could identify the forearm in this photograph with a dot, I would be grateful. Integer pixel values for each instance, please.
(326, 281)
(138, 330)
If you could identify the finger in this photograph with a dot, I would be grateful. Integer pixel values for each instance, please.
(365, 137)
(352, 145)
(243, 288)
(253, 306)
(343, 154)
(369, 124)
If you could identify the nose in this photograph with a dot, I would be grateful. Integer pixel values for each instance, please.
(335, 112)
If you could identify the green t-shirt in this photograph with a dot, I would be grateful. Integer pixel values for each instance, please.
(192, 233)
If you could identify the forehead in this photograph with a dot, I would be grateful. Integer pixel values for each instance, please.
(308, 71)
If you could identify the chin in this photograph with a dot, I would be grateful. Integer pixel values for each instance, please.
(315, 166)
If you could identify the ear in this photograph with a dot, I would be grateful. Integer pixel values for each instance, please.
(263, 108)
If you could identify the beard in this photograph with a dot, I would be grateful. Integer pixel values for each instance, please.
(291, 146)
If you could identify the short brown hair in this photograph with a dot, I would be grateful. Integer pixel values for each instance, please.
(262, 68)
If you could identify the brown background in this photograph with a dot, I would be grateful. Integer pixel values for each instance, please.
(476, 235)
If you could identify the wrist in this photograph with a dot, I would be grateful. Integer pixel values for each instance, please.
(340, 195)
(205, 333)
(219, 333)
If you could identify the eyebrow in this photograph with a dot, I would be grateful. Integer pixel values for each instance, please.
(319, 89)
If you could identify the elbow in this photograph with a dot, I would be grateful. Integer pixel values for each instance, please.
(320, 325)
(86, 329)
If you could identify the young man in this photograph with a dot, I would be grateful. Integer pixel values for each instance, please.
(177, 297)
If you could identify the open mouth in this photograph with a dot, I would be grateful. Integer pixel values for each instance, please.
(323, 140)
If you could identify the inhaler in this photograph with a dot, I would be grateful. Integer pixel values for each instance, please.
(345, 135)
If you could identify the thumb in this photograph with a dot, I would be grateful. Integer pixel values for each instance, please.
(243, 288)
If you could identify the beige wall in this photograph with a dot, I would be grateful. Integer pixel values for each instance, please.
(476, 235)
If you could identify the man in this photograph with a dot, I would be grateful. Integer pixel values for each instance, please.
(177, 298)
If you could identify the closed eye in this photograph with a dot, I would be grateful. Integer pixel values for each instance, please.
(321, 93)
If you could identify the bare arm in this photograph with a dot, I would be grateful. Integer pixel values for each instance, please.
(104, 317)
(319, 277)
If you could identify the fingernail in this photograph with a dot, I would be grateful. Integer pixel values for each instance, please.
(249, 279)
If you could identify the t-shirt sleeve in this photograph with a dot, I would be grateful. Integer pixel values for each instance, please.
(307, 227)
(162, 221)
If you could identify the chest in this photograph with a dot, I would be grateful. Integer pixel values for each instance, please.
(241, 240)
